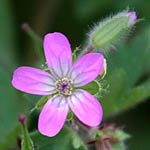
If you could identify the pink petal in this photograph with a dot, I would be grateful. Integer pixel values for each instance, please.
(33, 81)
(86, 108)
(133, 17)
(53, 116)
(86, 69)
(58, 54)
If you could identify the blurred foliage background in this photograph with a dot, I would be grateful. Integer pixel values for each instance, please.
(74, 18)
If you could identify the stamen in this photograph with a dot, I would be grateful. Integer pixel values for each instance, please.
(64, 86)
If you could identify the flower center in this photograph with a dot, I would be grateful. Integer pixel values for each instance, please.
(64, 86)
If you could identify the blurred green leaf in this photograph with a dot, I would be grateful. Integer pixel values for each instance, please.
(133, 57)
(11, 104)
(93, 87)
(62, 141)
(117, 85)
(118, 146)
(27, 143)
(146, 85)
(119, 98)
(11, 141)
(133, 97)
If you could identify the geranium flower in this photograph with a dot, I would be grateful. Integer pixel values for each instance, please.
(64, 80)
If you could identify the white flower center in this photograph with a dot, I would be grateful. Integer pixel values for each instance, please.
(64, 86)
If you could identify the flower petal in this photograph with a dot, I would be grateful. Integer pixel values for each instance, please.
(58, 54)
(53, 116)
(132, 17)
(86, 108)
(86, 69)
(33, 81)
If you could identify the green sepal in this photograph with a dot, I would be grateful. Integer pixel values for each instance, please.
(40, 104)
(97, 134)
(70, 115)
(92, 87)
(26, 143)
(121, 135)
(73, 57)
(47, 70)
(74, 54)
(78, 143)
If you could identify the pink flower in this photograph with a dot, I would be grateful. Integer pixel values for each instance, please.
(64, 80)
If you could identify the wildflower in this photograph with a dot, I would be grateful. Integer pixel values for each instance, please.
(63, 81)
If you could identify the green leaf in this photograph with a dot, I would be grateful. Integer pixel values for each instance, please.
(121, 95)
(118, 98)
(93, 87)
(62, 141)
(133, 97)
(27, 143)
(146, 85)
(133, 57)
(117, 85)
(40, 104)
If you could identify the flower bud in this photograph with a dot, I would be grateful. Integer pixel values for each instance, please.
(34, 36)
(25, 27)
(132, 17)
(21, 119)
(108, 31)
